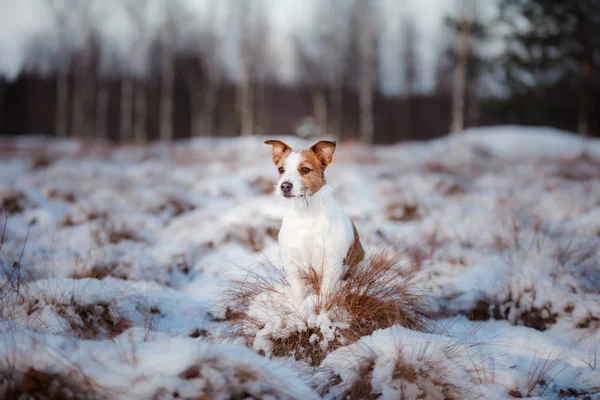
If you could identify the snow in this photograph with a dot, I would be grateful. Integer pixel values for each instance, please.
(115, 261)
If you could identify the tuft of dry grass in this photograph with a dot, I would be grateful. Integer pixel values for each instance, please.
(427, 373)
(402, 212)
(377, 294)
(254, 238)
(34, 383)
(263, 185)
(362, 388)
(93, 321)
(174, 207)
(15, 203)
(101, 271)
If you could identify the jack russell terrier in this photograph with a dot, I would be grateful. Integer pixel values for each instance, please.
(316, 233)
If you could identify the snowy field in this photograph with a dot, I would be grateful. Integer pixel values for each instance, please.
(117, 267)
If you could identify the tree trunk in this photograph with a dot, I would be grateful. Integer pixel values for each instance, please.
(166, 96)
(460, 72)
(126, 106)
(473, 106)
(246, 103)
(582, 116)
(82, 91)
(366, 110)
(139, 128)
(210, 102)
(337, 106)
(197, 115)
(320, 109)
(101, 110)
(2, 84)
(367, 72)
(62, 101)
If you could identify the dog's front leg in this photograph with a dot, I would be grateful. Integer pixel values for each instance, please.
(294, 270)
(333, 270)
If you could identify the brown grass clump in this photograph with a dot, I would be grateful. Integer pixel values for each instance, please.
(101, 271)
(263, 185)
(15, 203)
(94, 321)
(252, 237)
(377, 294)
(404, 212)
(55, 194)
(362, 388)
(420, 368)
(512, 310)
(38, 384)
(174, 207)
(69, 220)
(113, 235)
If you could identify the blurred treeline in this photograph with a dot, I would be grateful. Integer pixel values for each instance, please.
(546, 73)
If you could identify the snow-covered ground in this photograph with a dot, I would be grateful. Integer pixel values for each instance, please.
(114, 262)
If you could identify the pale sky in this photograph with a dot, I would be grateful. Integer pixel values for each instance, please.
(23, 20)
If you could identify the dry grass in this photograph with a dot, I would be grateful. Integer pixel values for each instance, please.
(40, 385)
(174, 207)
(254, 238)
(15, 203)
(539, 318)
(425, 375)
(263, 185)
(377, 294)
(362, 388)
(93, 321)
(403, 212)
(101, 271)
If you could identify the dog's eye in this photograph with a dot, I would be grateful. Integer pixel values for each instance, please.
(281, 170)
(305, 170)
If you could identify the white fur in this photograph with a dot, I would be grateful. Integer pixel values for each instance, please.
(291, 174)
(315, 233)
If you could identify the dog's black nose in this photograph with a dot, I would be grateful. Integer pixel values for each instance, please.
(286, 187)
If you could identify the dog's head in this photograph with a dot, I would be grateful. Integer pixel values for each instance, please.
(301, 173)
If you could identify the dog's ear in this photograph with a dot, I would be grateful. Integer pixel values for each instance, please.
(324, 151)
(280, 150)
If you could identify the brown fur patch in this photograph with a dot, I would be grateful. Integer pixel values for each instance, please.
(356, 253)
(314, 179)
(280, 151)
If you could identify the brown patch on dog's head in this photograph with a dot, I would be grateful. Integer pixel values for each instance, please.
(312, 171)
(280, 150)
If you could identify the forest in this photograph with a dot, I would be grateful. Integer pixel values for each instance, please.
(169, 79)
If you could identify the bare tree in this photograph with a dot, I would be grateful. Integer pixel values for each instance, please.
(410, 73)
(320, 57)
(133, 89)
(125, 115)
(203, 78)
(460, 71)
(367, 39)
(62, 13)
(252, 48)
(167, 72)
(84, 71)
(102, 94)
(313, 74)
(335, 39)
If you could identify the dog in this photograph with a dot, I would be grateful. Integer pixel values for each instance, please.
(316, 233)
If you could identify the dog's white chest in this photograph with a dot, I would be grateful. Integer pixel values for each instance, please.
(316, 235)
